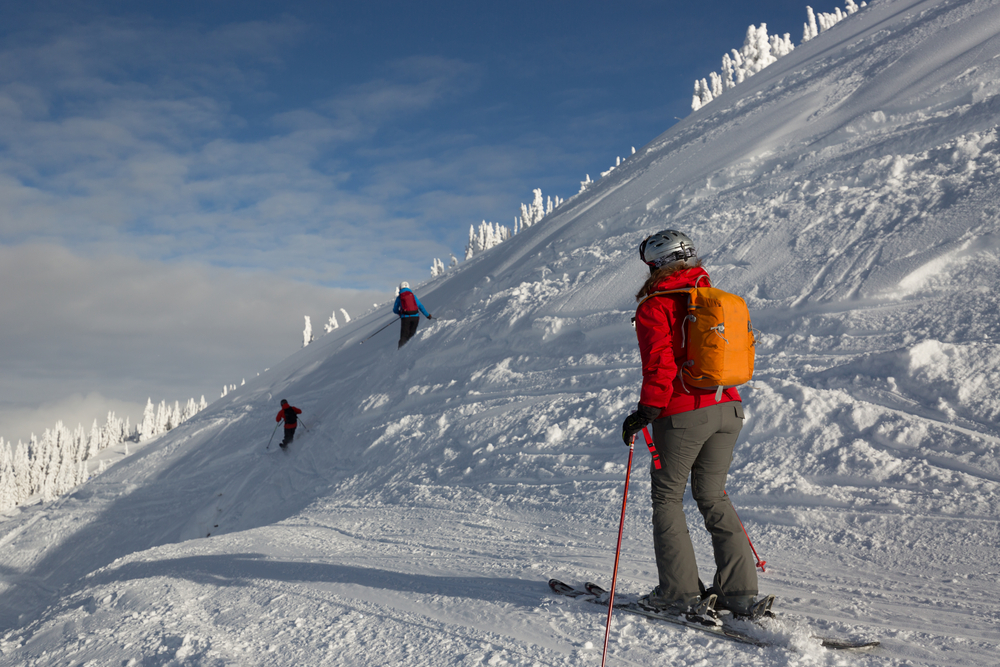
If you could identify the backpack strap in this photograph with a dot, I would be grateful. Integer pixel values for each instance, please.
(689, 317)
(687, 291)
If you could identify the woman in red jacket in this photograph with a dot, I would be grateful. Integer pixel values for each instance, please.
(694, 435)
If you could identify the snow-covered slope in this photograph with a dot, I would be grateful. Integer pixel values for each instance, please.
(849, 191)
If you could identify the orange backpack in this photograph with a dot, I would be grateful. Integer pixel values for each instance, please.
(718, 339)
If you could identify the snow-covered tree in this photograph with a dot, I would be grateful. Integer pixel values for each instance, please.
(36, 462)
(437, 268)
(347, 318)
(95, 441)
(537, 206)
(162, 418)
(307, 333)
(147, 428)
(175, 415)
(618, 163)
(781, 45)
(331, 323)
(817, 23)
(8, 485)
(809, 28)
(56, 463)
(489, 234)
(470, 247)
(22, 473)
(760, 50)
(702, 96)
(190, 410)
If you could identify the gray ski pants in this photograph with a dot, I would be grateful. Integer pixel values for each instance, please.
(698, 443)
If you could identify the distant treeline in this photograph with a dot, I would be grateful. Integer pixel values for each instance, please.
(56, 463)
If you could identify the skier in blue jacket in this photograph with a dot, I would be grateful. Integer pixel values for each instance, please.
(408, 307)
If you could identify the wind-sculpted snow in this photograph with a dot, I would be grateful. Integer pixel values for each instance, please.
(849, 191)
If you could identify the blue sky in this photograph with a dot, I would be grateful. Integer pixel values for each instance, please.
(176, 174)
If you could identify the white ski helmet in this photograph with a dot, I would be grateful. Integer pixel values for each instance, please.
(404, 285)
(667, 247)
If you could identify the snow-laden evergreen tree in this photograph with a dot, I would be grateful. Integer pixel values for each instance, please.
(825, 21)
(524, 221)
(190, 410)
(809, 28)
(488, 235)
(49, 456)
(828, 20)
(147, 428)
(331, 323)
(176, 416)
(532, 214)
(80, 444)
(470, 247)
(437, 268)
(307, 333)
(162, 418)
(781, 45)
(66, 464)
(755, 54)
(537, 206)
(347, 318)
(22, 473)
(96, 440)
(618, 163)
(454, 261)
(586, 183)
(8, 485)
(760, 50)
(757, 50)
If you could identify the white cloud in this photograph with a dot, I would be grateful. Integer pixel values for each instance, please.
(74, 410)
(127, 329)
(164, 165)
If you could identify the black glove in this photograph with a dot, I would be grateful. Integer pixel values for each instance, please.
(430, 317)
(637, 420)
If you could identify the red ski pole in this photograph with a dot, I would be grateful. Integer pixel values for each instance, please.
(618, 551)
(760, 563)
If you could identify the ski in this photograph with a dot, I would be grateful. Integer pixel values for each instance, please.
(762, 610)
(597, 595)
(720, 631)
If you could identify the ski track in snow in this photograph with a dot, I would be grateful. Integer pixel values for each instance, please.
(849, 191)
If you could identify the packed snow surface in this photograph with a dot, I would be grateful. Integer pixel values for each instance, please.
(849, 192)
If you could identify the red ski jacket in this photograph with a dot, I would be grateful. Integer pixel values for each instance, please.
(659, 326)
(290, 417)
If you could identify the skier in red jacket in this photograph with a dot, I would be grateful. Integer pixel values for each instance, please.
(694, 437)
(290, 414)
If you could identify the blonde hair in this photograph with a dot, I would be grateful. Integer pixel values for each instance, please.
(659, 274)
